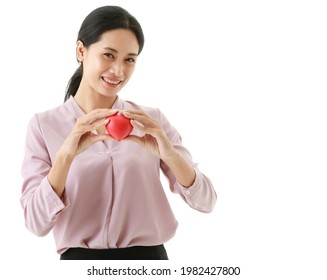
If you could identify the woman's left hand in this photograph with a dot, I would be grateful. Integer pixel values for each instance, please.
(154, 139)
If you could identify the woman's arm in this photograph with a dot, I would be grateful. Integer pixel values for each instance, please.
(79, 140)
(44, 181)
(182, 170)
(163, 140)
(57, 176)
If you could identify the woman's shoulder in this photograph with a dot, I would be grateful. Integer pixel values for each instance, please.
(58, 113)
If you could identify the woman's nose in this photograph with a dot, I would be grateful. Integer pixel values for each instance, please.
(116, 69)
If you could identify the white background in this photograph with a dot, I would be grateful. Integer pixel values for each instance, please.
(245, 84)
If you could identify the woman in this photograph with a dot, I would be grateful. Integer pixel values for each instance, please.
(103, 198)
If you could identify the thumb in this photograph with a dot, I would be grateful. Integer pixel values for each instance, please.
(134, 138)
(99, 137)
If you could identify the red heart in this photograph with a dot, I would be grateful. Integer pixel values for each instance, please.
(119, 127)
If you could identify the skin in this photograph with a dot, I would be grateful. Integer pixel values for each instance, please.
(111, 59)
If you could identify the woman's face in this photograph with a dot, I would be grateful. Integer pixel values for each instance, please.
(109, 63)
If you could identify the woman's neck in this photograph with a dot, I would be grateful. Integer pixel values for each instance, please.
(89, 100)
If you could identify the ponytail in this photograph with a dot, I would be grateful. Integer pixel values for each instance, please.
(74, 82)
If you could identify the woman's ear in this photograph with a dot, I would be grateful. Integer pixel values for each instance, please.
(80, 51)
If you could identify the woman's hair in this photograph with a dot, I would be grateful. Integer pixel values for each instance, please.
(94, 25)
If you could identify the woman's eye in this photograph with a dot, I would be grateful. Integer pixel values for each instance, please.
(131, 60)
(109, 55)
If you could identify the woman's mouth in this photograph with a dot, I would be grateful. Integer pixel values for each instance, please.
(111, 82)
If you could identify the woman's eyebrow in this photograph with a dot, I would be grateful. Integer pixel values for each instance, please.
(115, 51)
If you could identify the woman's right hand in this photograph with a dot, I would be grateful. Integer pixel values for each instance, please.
(82, 137)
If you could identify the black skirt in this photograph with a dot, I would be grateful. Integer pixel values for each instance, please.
(131, 253)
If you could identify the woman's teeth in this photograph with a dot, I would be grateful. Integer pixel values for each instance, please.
(111, 81)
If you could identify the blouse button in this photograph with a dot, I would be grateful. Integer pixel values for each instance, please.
(187, 192)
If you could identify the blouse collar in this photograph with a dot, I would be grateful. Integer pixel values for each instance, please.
(77, 111)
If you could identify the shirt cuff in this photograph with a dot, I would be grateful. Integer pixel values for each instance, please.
(55, 203)
(188, 192)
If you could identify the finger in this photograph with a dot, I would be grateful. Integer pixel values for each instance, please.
(136, 112)
(99, 123)
(134, 138)
(94, 120)
(83, 128)
(138, 115)
(144, 123)
(138, 125)
(100, 137)
(98, 114)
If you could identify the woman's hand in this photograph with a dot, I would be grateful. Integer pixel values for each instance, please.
(154, 139)
(82, 137)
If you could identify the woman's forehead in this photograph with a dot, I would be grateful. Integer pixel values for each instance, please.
(120, 40)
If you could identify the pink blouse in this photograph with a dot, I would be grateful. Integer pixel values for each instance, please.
(113, 195)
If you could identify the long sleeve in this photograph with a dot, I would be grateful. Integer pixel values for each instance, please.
(201, 195)
(113, 195)
(40, 203)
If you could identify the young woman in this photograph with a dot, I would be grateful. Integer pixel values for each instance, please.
(103, 198)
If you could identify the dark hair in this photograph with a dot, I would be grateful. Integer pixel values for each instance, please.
(94, 25)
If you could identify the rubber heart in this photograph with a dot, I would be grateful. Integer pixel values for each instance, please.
(119, 127)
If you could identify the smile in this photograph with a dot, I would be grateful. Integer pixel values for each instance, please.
(110, 81)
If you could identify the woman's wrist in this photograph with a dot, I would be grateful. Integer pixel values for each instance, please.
(64, 157)
(184, 172)
(58, 173)
(171, 156)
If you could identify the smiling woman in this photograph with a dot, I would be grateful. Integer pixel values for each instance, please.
(103, 198)
(107, 64)
(101, 33)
